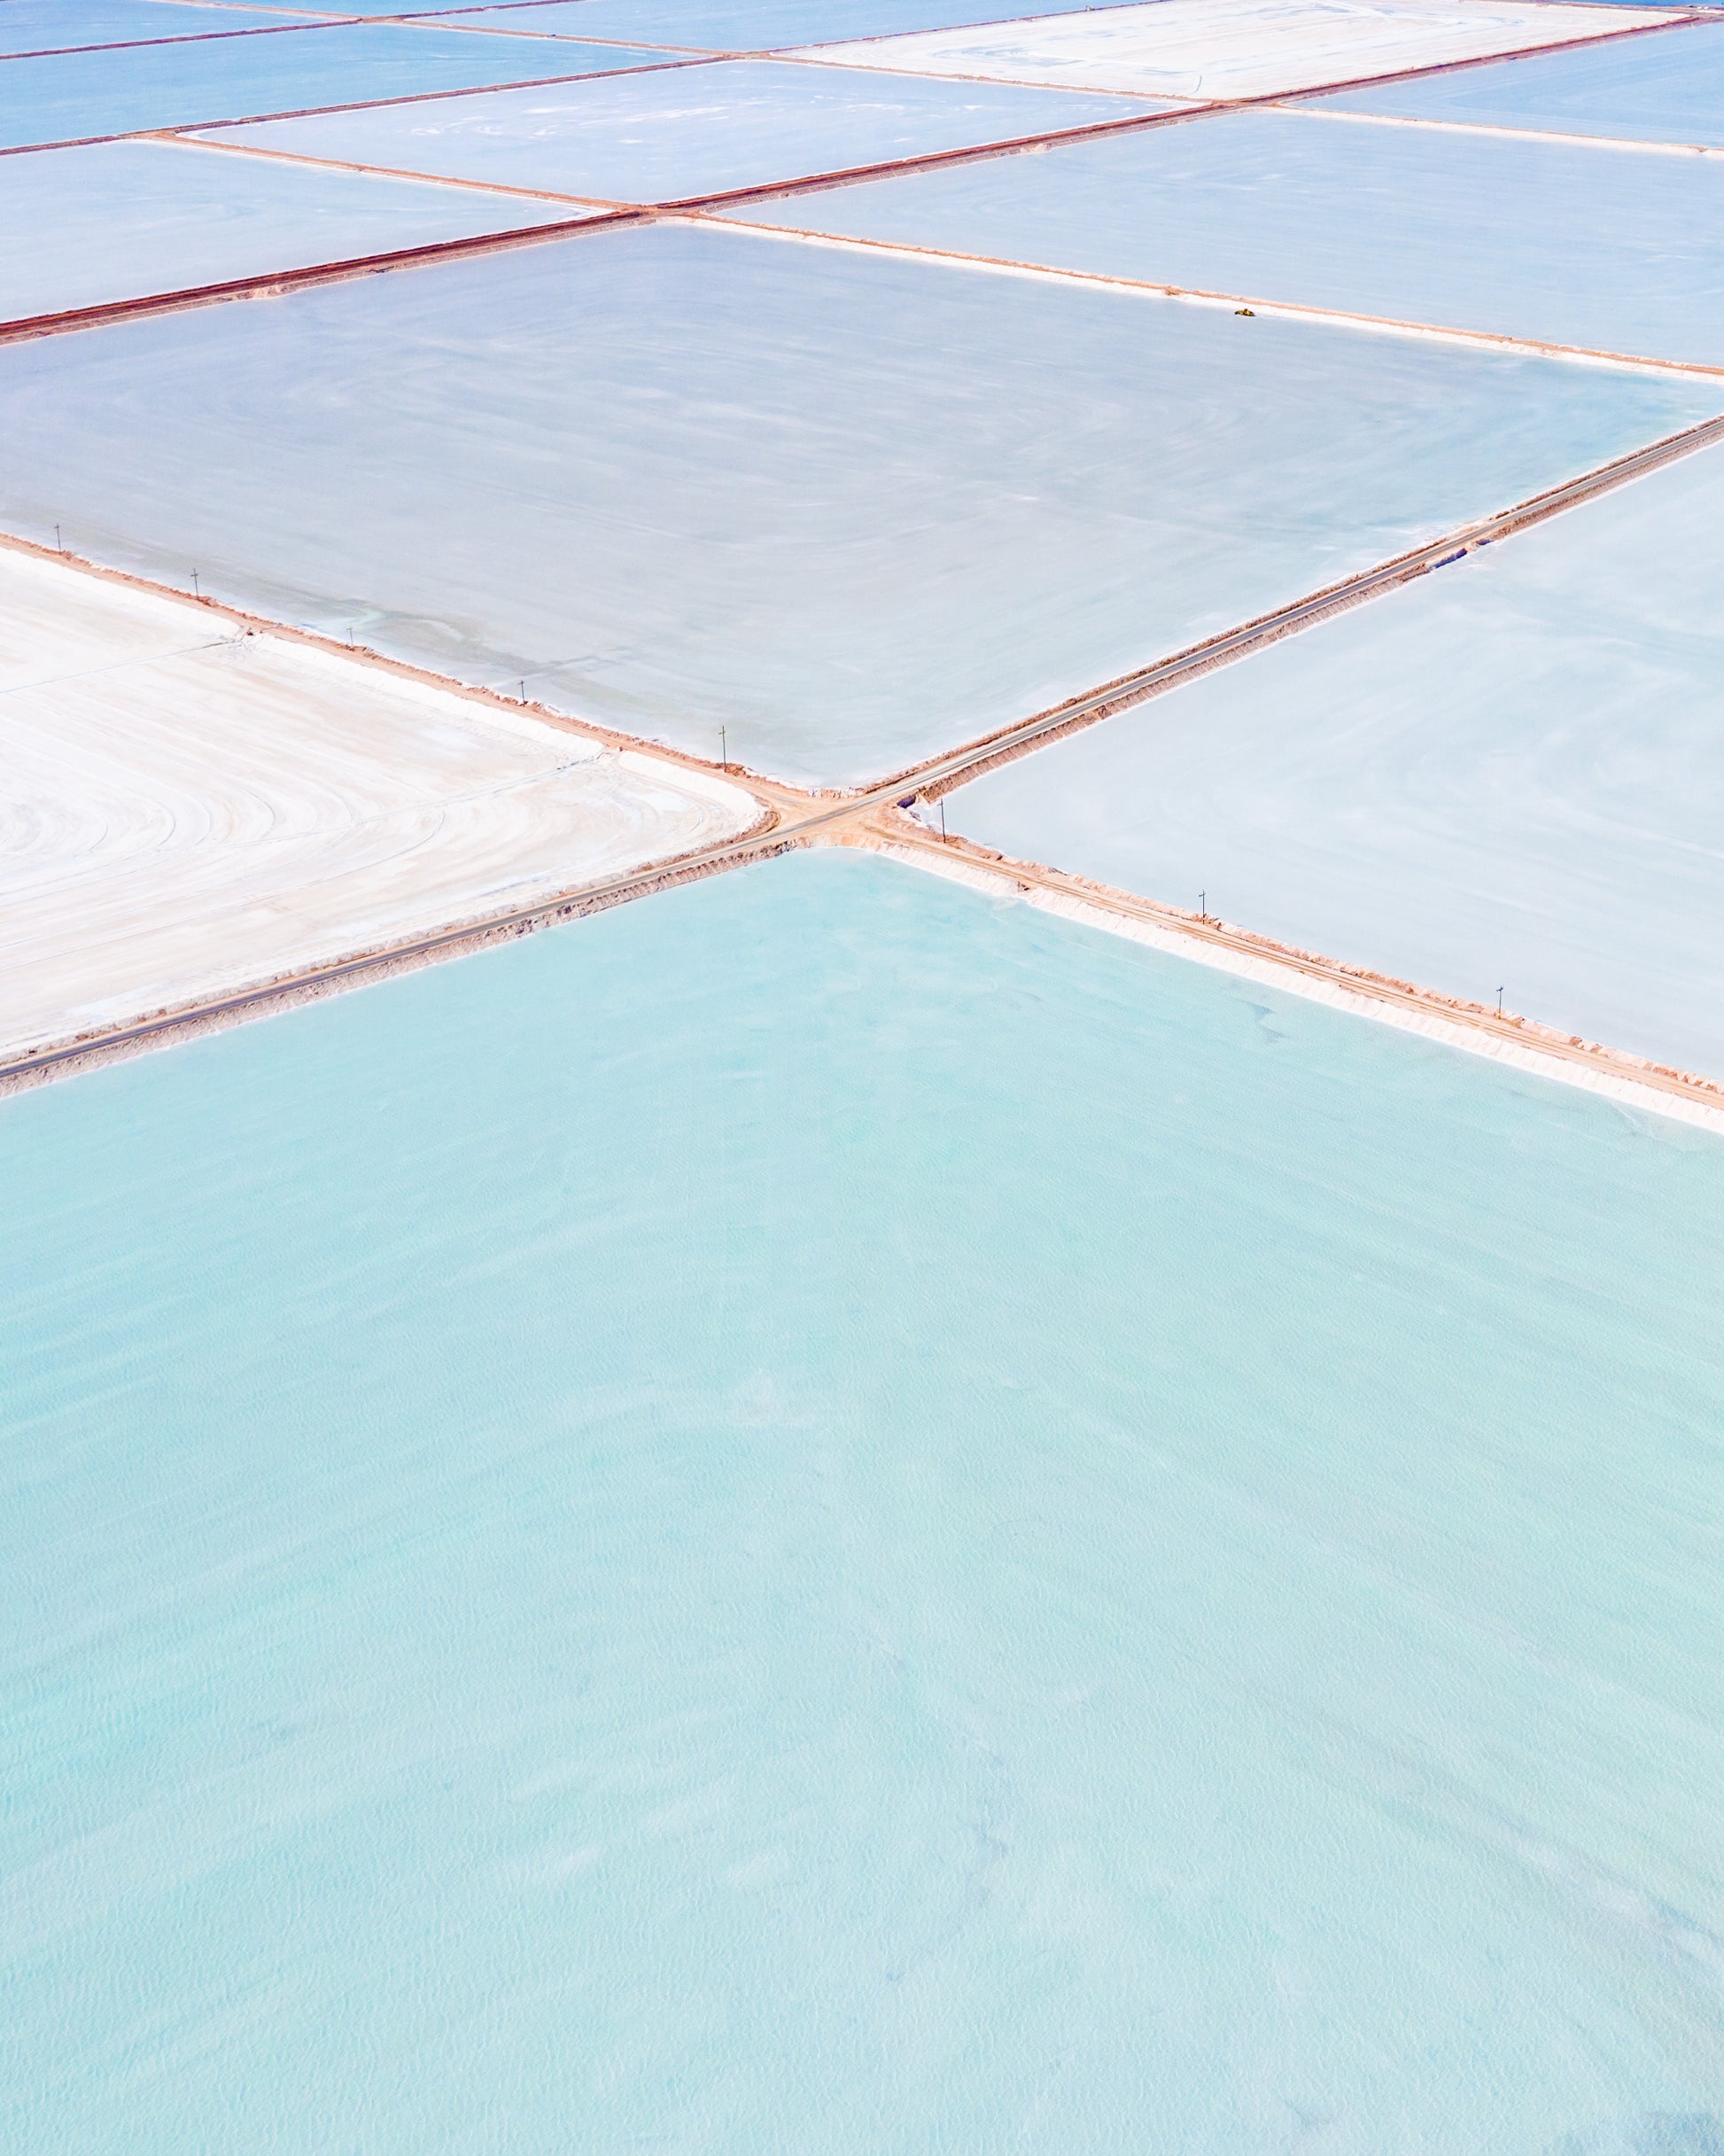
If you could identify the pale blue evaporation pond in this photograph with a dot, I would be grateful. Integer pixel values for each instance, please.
(79, 96)
(823, 1515)
(1663, 89)
(1606, 250)
(434, 16)
(194, 217)
(43, 26)
(753, 25)
(685, 131)
(854, 508)
(1509, 772)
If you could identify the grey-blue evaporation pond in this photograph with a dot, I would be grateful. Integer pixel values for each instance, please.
(855, 508)
(1610, 251)
(75, 96)
(1663, 89)
(824, 1514)
(669, 134)
(193, 217)
(1509, 772)
(55, 25)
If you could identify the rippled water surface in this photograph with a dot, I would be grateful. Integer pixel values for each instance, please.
(817, 1513)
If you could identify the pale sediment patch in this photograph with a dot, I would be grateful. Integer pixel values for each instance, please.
(190, 805)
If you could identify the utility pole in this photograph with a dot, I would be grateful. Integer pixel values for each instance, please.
(1203, 906)
(195, 591)
(1499, 1003)
(60, 545)
(724, 749)
(943, 820)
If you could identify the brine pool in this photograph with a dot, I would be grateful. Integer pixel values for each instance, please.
(825, 1514)
(820, 512)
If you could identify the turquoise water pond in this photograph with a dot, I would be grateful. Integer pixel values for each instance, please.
(823, 1515)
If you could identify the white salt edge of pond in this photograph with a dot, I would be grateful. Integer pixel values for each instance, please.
(1429, 1025)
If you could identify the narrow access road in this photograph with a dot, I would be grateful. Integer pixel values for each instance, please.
(792, 817)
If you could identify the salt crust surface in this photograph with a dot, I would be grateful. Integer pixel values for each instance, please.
(1212, 48)
(193, 216)
(72, 97)
(187, 810)
(854, 508)
(1614, 254)
(820, 1514)
(747, 26)
(1510, 772)
(684, 131)
(1668, 89)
